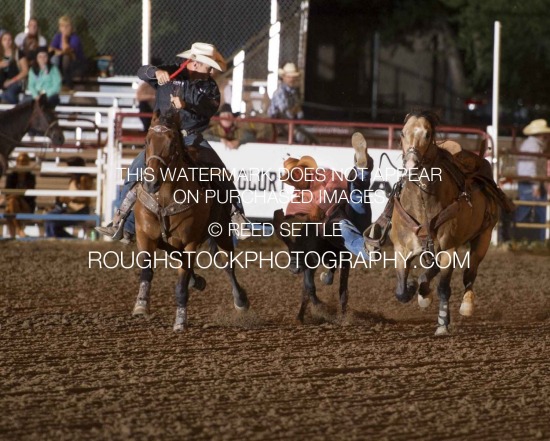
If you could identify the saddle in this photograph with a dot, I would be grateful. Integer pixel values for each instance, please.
(469, 171)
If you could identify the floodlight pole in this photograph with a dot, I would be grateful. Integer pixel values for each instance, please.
(496, 75)
(146, 32)
(493, 130)
(28, 13)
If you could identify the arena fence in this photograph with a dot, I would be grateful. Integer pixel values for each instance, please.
(121, 127)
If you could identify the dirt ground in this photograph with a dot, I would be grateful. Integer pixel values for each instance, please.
(75, 365)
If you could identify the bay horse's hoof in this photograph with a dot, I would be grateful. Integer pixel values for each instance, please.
(424, 302)
(199, 283)
(327, 277)
(442, 331)
(179, 327)
(141, 308)
(467, 305)
(242, 308)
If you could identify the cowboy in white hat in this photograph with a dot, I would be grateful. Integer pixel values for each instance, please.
(287, 102)
(190, 89)
(538, 134)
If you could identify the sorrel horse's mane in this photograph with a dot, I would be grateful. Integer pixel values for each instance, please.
(431, 117)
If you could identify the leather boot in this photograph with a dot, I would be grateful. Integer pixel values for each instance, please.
(115, 230)
(359, 144)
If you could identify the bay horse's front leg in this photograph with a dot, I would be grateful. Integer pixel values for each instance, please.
(309, 292)
(145, 262)
(404, 291)
(185, 273)
(344, 276)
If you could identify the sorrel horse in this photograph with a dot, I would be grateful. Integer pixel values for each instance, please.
(14, 123)
(307, 252)
(164, 221)
(436, 211)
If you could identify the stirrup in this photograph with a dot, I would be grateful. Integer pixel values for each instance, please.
(115, 232)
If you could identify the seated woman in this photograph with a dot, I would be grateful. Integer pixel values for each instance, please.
(45, 78)
(28, 42)
(71, 205)
(68, 52)
(14, 69)
(342, 205)
(18, 203)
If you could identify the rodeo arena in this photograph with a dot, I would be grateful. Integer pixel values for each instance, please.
(192, 250)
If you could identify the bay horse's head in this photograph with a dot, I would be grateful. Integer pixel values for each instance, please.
(162, 147)
(44, 122)
(417, 136)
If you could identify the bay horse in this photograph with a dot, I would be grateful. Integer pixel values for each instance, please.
(165, 222)
(436, 211)
(32, 115)
(316, 251)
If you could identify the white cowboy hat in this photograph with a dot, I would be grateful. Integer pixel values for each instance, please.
(536, 127)
(290, 70)
(207, 54)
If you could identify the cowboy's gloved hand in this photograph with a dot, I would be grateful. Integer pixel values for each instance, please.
(177, 102)
(162, 77)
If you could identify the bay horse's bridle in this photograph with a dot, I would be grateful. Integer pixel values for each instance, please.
(161, 128)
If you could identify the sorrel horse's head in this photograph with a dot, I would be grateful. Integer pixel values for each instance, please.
(162, 148)
(417, 136)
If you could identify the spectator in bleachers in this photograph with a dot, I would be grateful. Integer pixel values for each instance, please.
(45, 78)
(71, 204)
(538, 134)
(28, 42)
(287, 103)
(228, 130)
(19, 179)
(68, 52)
(146, 95)
(14, 69)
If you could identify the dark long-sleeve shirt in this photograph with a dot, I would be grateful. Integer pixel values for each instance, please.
(202, 97)
(25, 181)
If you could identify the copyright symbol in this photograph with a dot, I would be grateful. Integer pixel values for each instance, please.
(214, 229)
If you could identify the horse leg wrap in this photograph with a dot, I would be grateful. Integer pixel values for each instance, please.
(141, 306)
(181, 320)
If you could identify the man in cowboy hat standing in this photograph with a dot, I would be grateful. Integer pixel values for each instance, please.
(287, 103)
(537, 133)
(189, 88)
